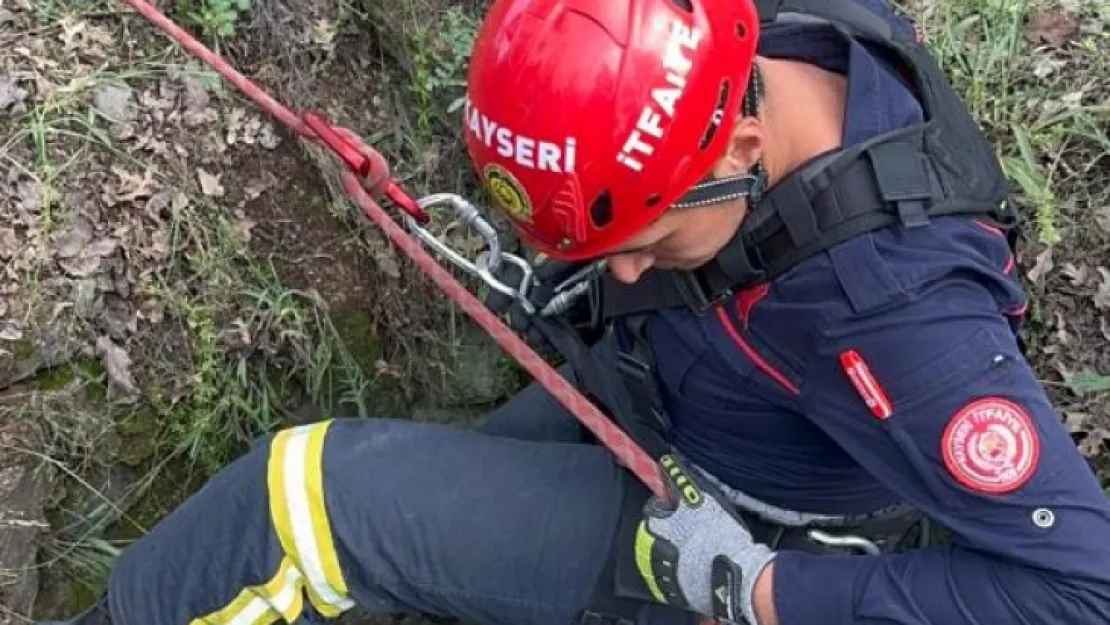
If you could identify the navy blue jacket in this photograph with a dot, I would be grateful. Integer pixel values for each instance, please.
(886, 369)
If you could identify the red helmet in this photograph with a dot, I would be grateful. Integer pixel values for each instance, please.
(588, 119)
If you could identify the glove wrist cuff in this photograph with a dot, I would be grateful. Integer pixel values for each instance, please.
(753, 568)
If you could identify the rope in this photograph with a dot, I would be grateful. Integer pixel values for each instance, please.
(367, 175)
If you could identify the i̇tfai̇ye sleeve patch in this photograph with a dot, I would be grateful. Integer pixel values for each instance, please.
(991, 446)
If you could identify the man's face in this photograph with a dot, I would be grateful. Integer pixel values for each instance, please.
(684, 238)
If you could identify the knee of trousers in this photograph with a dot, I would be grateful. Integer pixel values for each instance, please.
(253, 546)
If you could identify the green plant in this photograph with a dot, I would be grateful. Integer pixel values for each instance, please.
(215, 18)
(440, 56)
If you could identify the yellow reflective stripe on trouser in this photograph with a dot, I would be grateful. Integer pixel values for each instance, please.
(300, 517)
(281, 597)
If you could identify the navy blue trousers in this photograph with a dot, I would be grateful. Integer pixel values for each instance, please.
(509, 524)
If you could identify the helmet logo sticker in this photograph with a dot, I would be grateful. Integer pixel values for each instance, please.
(991, 446)
(508, 192)
(659, 111)
(525, 151)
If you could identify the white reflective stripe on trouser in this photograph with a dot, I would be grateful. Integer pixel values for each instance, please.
(295, 479)
(281, 597)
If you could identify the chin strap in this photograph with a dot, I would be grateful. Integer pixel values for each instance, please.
(719, 190)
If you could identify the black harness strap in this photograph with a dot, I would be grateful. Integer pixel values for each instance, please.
(888, 181)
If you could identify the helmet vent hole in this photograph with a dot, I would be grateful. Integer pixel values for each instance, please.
(653, 199)
(601, 211)
(718, 115)
(741, 30)
(685, 5)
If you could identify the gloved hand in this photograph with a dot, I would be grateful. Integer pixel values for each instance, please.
(695, 553)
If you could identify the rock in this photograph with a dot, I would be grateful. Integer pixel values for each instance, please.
(480, 372)
(24, 489)
(49, 347)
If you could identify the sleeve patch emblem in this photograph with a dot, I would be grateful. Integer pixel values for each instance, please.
(991, 446)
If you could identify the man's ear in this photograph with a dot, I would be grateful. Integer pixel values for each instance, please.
(744, 149)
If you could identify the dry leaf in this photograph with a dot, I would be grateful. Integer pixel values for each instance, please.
(8, 243)
(75, 239)
(1092, 445)
(132, 186)
(1076, 275)
(104, 246)
(12, 97)
(82, 265)
(10, 332)
(1046, 66)
(1102, 218)
(1041, 267)
(267, 137)
(1076, 420)
(116, 102)
(1062, 336)
(86, 298)
(209, 184)
(157, 203)
(1102, 295)
(26, 193)
(179, 203)
(1052, 26)
(117, 364)
(196, 93)
(243, 227)
(153, 311)
(254, 189)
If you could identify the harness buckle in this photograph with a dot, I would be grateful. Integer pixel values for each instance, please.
(695, 294)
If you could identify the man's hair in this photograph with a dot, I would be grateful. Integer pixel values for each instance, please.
(753, 96)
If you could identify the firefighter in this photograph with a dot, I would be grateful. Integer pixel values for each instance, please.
(812, 310)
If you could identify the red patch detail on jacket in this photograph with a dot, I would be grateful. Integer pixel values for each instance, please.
(866, 385)
(991, 446)
(748, 298)
(762, 364)
(995, 230)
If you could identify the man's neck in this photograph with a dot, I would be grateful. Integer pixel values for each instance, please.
(804, 112)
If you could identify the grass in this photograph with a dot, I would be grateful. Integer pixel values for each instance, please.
(1047, 133)
(233, 352)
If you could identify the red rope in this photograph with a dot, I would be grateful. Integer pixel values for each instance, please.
(373, 176)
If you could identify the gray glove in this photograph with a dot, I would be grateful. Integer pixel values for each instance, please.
(695, 553)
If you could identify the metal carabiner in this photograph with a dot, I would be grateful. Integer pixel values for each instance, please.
(573, 287)
(469, 214)
(488, 260)
(850, 540)
(519, 293)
